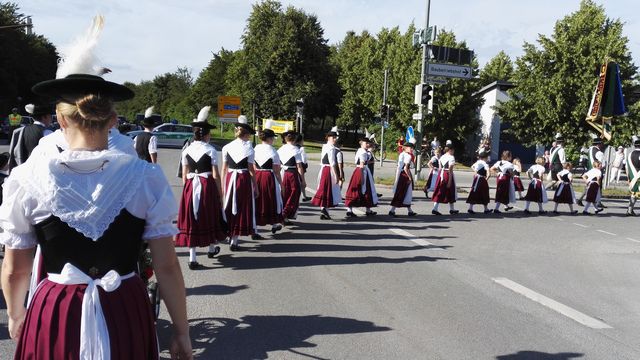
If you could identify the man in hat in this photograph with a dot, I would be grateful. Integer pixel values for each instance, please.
(146, 144)
(594, 153)
(15, 119)
(557, 159)
(633, 174)
(25, 139)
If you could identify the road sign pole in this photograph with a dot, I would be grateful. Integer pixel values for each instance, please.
(385, 117)
(423, 79)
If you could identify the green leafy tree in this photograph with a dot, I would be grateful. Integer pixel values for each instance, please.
(500, 68)
(555, 80)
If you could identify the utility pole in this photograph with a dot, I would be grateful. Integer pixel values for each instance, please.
(384, 117)
(423, 79)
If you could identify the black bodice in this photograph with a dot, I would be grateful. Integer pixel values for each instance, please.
(291, 162)
(203, 164)
(267, 165)
(325, 159)
(482, 171)
(117, 249)
(435, 163)
(241, 165)
(565, 178)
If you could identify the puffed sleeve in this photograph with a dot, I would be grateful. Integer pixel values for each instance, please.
(183, 158)
(15, 216)
(161, 208)
(276, 158)
(213, 154)
(251, 155)
(303, 156)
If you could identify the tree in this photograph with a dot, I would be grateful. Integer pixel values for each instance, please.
(500, 68)
(24, 60)
(555, 81)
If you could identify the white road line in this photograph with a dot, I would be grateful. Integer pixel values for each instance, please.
(571, 313)
(606, 232)
(414, 238)
(634, 240)
(557, 219)
(581, 225)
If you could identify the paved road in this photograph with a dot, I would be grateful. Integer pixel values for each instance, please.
(464, 287)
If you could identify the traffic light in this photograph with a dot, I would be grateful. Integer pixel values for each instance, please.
(383, 110)
(426, 94)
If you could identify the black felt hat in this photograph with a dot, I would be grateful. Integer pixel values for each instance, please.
(268, 133)
(203, 124)
(39, 109)
(75, 86)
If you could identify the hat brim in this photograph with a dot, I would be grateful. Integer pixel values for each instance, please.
(76, 86)
(332, 133)
(268, 133)
(148, 122)
(203, 124)
(246, 127)
(408, 144)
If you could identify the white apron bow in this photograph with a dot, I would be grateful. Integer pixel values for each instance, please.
(196, 190)
(94, 335)
(232, 188)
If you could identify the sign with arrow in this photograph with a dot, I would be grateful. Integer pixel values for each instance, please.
(449, 71)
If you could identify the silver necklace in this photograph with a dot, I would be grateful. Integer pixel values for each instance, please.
(88, 171)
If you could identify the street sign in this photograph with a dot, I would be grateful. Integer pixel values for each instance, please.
(436, 81)
(409, 133)
(417, 116)
(385, 124)
(229, 107)
(449, 71)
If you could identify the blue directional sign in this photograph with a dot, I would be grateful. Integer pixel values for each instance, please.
(409, 133)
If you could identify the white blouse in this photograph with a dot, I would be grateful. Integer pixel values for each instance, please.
(238, 150)
(503, 166)
(303, 155)
(48, 145)
(86, 190)
(288, 151)
(537, 169)
(363, 155)
(447, 161)
(264, 152)
(404, 159)
(330, 151)
(197, 149)
(479, 165)
(593, 174)
(565, 172)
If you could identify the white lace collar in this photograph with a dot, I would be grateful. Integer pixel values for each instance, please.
(85, 189)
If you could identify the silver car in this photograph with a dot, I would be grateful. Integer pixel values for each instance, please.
(169, 135)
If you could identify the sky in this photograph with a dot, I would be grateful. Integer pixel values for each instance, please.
(145, 38)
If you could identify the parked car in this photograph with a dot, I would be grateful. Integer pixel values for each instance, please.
(168, 135)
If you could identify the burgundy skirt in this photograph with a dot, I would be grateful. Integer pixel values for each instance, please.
(209, 227)
(324, 194)
(354, 196)
(266, 202)
(479, 194)
(403, 185)
(503, 188)
(291, 190)
(445, 192)
(564, 194)
(52, 324)
(593, 192)
(242, 223)
(517, 183)
(534, 192)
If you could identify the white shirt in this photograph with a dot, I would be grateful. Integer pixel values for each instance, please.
(303, 154)
(153, 143)
(447, 161)
(537, 169)
(264, 152)
(288, 151)
(565, 172)
(87, 202)
(196, 150)
(363, 155)
(238, 150)
(503, 166)
(479, 165)
(330, 151)
(48, 145)
(593, 174)
(339, 156)
(404, 159)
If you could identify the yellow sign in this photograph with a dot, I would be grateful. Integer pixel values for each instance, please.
(278, 126)
(229, 107)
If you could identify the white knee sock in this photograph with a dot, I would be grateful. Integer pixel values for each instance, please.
(192, 254)
(540, 207)
(497, 206)
(234, 240)
(555, 207)
(526, 205)
(587, 205)
(435, 206)
(350, 209)
(393, 209)
(451, 207)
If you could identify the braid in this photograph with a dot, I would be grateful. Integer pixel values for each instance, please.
(197, 133)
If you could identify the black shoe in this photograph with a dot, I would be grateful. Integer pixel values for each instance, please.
(370, 213)
(631, 213)
(599, 210)
(306, 198)
(392, 214)
(556, 212)
(580, 203)
(234, 247)
(212, 254)
(412, 213)
(471, 211)
(379, 195)
(436, 212)
(488, 211)
(585, 212)
(508, 208)
(574, 212)
(496, 211)
(193, 265)
(351, 214)
(542, 212)
(287, 222)
(324, 215)
(527, 212)
(601, 206)
(454, 212)
(521, 198)
(276, 228)
(257, 237)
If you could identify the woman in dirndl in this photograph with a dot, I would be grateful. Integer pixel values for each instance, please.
(403, 184)
(361, 191)
(445, 191)
(434, 170)
(329, 181)
(517, 181)
(536, 192)
(293, 180)
(240, 189)
(269, 181)
(505, 191)
(564, 193)
(592, 180)
(90, 209)
(299, 143)
(479, 193)
(200, 218)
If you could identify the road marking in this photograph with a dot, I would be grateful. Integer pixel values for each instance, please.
(415, 239)
(571, 313)
(606, 232)
(581, 225)
(557, 219)
(634, 240)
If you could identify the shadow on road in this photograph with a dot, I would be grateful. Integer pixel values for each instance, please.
(536, 355)
(215, 290)
(253, 337)
(310, 247)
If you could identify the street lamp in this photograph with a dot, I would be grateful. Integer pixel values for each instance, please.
(299, 112)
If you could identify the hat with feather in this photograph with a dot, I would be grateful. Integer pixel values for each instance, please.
(148, 120)
(201, 120)
(242, 123)
(267, 132)
(333, 132)
(38, 109)
(79, 75)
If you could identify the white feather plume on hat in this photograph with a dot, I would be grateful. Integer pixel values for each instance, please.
(268, 124)
(367, 134)
(412, 140)
(30, 108)
(78, 57)
(335, 129)
(148, 112)
(203, 115)
(558, 136)
(242, 119)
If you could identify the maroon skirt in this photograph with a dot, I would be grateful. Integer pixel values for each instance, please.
(593, 192)
(324, 194)
(354, 196)
(242, 223)
(479, 193)
(564, 194)
(503, 188)
(52, 324)
(266, 202)
(403, 185)
(209, 227)
(534, 192)
(517, 183)
(445, 192)
(291, 190)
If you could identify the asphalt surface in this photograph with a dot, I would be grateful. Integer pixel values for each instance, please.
(452, 287)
